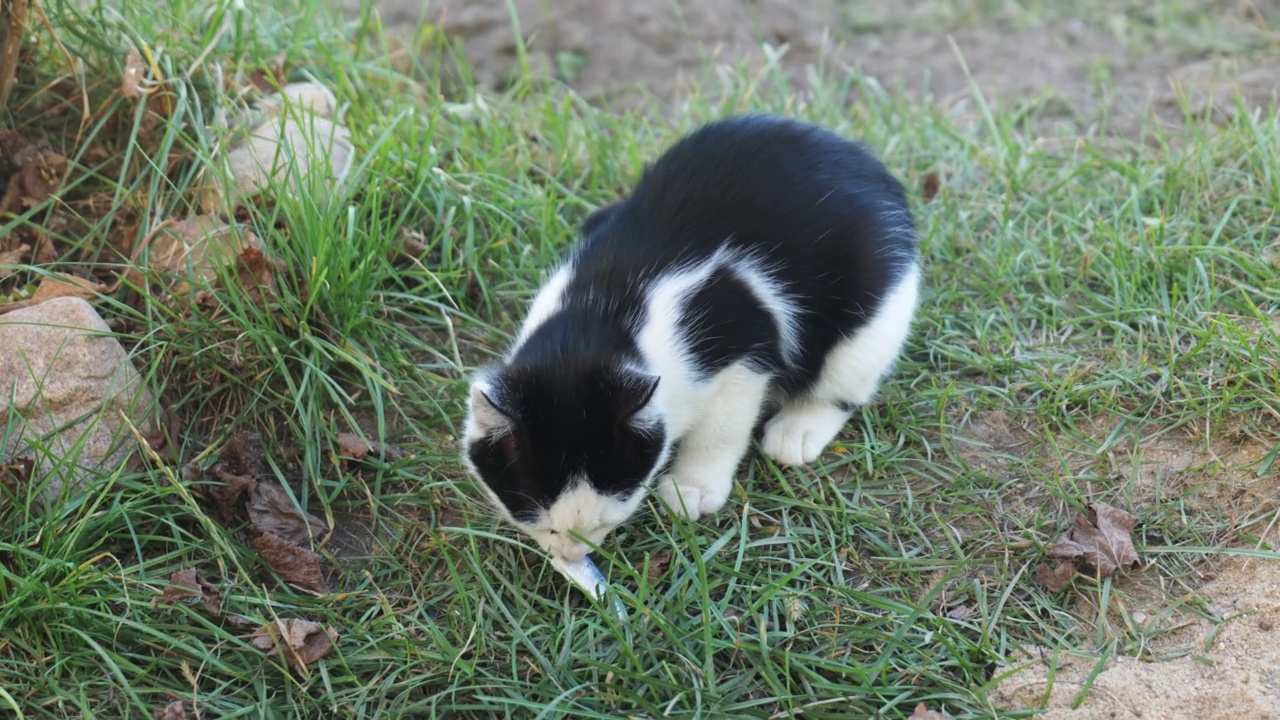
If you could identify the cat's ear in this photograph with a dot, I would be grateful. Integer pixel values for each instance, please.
(598, 218)
(488, 416)
(635, 392)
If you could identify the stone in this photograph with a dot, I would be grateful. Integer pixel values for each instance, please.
(65, 387)
(292, 148)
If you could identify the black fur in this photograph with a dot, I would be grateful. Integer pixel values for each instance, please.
(818, 210)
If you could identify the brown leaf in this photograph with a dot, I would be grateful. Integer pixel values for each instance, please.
(411, 245)
(187, 583)
(300, 642)
(270, 78)
(135, 73)
(42, 174)
(924, 713)
(242, 455)
(173, 711)
(929, 186)
(45, 250)
(354, 446)
(165, 437)
(658, 563)
(13, 257)
(12, 199)
(55, 285)
(229, 497)
(16, 473)
(271, 510)
(1101, 544)
(295, 565)
(1058, 578)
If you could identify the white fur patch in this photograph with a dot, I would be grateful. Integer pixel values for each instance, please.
(580, 510)
(851, 373)
(545, 304)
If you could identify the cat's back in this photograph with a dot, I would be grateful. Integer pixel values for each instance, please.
(770, 184)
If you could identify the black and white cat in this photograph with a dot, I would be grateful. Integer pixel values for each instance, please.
(761, 263)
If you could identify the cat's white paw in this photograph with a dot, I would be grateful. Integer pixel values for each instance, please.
(683, 500)
(798, 435)
(692, 501)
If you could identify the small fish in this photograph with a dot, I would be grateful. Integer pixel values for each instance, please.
(588, 577)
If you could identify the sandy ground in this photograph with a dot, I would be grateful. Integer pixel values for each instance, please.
(616, 52)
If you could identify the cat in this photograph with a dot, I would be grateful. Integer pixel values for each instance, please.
(760, 264)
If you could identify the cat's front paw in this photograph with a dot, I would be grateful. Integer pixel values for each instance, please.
(682, 500)
(798, 435)
(692, 501)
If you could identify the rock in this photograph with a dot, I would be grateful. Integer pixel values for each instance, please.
(64, 382)
(195, 248)
(292, 147)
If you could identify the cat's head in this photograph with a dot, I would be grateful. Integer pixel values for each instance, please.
(565, 450)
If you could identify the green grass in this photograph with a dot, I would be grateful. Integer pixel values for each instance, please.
(1087, 302)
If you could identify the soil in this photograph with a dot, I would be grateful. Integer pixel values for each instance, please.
(622, 52)
(1080, 78)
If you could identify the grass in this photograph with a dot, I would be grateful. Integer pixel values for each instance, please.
(1083, 305)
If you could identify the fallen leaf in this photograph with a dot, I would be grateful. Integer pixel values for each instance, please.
(45, 250)
(1101, 544)
(135, 71)
(12, 257)
(229, 497)
(299, 642)
(658, 563)
(12, 199)
(924, 713)
(1057, 578)
(295, 565)
(271, 510)
(241, 454)
(960, 612)
(354, 446)
(42, 174)
(410, 245)
(270, 78)
(187, 583)
(165, 438)
(173, 711)
(929, 186)
(16, 473)
(56, 285)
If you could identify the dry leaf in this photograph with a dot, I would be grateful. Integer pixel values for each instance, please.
(272, 77)
(300, 642)
(271, 510)
(929, 186)
(56, 285)
(1058, 578)
(295, 565)
(354, 446)
(187, 583)
(12, 199)
(165, 438)
(242, 455)
(173, 711)
(135, 71)
(229, 497)
(924, 713)
(12, 257)
(411, 245)
(16, 473)
(658, 563)
(1100, 544)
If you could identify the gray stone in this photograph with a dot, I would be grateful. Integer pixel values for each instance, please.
(65, 386)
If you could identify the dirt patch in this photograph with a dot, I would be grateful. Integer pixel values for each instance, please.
(1074, 74)
(1230, 669)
